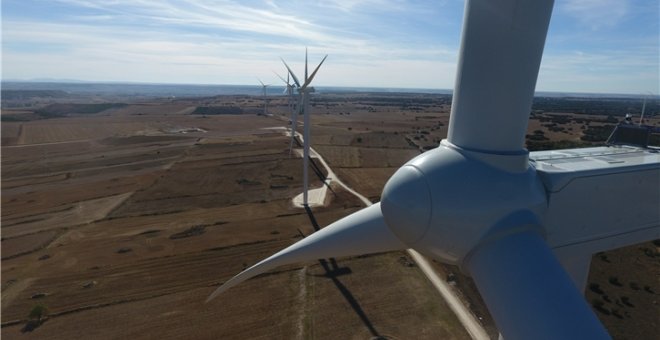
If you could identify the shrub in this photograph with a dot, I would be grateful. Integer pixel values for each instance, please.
(594, 287)
(633, 285)
(614, 281)
(38, 312)
(599, 306)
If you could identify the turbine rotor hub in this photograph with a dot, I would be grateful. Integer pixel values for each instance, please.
(447, 201)
(406, 201)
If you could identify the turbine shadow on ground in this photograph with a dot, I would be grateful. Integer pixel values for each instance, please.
(321, 176)
(332, 271)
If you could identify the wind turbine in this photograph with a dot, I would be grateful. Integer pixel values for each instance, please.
(294, 111)
(523, 225)
(641, 117)
(264, 88)
(304, 92)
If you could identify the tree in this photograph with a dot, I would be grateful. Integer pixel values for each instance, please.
(35, 318)
(38, 312)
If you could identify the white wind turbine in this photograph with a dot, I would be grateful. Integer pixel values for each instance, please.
(523, 225)
(292, 108)
(264, 88)
(304, 92)
(641, 117)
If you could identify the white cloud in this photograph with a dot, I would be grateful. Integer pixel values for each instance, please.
(607, 72)
(596, 14)
(189, 41)
(99, 52)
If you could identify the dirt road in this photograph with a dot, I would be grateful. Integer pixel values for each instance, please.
(466, 318)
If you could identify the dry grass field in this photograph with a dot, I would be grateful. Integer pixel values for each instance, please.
(122, 222)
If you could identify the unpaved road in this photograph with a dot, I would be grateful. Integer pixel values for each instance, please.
(463, 314)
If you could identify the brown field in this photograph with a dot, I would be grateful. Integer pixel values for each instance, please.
(124, 221)
(122, 226)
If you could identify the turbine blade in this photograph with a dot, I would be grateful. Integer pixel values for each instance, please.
(363, 232)
(305, 64)
(260, 82)
(293, 75)
(279, 76)
(309, 81)
(294, 126)
(498, 42)
(529, 293)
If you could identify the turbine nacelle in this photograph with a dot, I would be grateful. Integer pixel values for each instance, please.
(446, 201)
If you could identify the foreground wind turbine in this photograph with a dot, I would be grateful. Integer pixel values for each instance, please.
(304, 92)
(264, 88)
(523, 226)
(294, 111)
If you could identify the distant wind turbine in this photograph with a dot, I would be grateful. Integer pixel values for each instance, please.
(641, 118)
(304, 92)
(264, 87)
(292, 108)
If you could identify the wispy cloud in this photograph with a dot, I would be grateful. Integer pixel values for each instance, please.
(596, 14)
(220, 31)
(606, 71)
(370, 42)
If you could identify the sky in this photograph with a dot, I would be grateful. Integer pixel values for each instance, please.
(595, 46)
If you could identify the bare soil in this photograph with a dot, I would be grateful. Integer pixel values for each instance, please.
(92, 206)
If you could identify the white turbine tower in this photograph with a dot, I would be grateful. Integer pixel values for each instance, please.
(641, 117)
(292, 108)
(523, 225)
(304, 92)
(264, 88)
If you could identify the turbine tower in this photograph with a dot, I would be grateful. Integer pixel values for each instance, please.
(523, 225)
(641, 117)
(264, 87)
(304, 92)
(291, 105)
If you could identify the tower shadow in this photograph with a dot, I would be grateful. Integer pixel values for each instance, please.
(333, 271)
(320, 175)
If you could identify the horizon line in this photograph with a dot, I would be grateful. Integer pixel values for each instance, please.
(122, 82)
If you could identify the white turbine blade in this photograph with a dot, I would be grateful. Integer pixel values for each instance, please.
(309, 81)
(528, 293)
(294, 125)
(260, 82)
(363, 232)
(641, 117)
(293, 75)
(298, 107)
(305, 64)
(279, 76)
(306, 137)
(500, 54)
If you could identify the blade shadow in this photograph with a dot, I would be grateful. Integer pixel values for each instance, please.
(332, 271)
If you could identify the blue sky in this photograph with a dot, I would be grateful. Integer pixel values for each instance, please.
(603, 46)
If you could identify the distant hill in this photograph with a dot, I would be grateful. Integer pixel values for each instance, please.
(30, 94)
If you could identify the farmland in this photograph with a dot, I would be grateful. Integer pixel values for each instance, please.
(123, 219)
